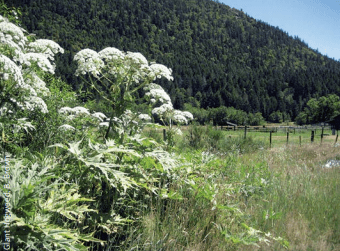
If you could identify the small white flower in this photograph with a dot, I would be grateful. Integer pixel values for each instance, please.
(111, 54)
(37, 84)
(99, 116)
(80, 110)
(162, 109)
(45, 46)
(180, 119)
(188, 115)
(162, 71)
(11, 30)
(33, 102)
(106, 124)
(137, 58)
(88, 62)
(145, 117)
(5, 76)
(41, 60)
(66, 127)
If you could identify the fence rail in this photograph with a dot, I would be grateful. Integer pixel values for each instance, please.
(279, 135)
(292, 134)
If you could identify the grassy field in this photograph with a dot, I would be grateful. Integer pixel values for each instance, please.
(283, 192)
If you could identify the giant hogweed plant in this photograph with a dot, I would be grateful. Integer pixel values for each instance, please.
(118, 176)
(32, 195)
(117, 76)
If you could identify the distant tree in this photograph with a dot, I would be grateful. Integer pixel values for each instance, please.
(319, 109)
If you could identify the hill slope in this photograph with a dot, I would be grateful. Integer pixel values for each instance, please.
(219, 55)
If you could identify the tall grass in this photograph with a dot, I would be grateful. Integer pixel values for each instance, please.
(283, 190)
(303, 201)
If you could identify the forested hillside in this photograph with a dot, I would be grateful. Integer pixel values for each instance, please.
(219, 55)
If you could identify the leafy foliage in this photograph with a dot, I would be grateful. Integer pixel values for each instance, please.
(320, 109)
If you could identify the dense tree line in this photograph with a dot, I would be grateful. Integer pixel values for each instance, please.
(219, 55)
(320, 109)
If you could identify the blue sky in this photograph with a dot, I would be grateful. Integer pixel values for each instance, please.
(317, 22)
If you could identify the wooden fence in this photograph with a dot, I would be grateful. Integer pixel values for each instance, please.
(281, 134)
(314, 131)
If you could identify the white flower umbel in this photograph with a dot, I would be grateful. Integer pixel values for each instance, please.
(7, 42)
(104, 124)
(11, 31)
(100, 116)
(65, 110)
(110, 54)
(179, 118)
(136, 57)
(162, 110)
(40, 59)
(38, 85)
(78, 110)
(12, 73)
(160, 95)
(45, 46)
(34, 102)
(188, 115)
(12, 70)
(144, 117)
(157, 93)
(162, 71)
(88, 61)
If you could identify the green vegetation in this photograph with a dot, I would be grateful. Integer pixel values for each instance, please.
(320, 109)
(90, 170)
(220, 56)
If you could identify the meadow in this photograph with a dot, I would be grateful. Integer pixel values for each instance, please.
(283, 190)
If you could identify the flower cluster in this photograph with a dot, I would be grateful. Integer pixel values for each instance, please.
(179, 117)
(46, 47)
(162, 71)
(33, 102)
(66, 127)
(126, 66)
(40, 59)
(144, 117)
(166, 110)
(88, 62)
(12, 32)
(37, 85)
(11, 71)
(137, 58)
(17, 58)
(157, 93)
(100, 116)
(163, 109)
(80, 111)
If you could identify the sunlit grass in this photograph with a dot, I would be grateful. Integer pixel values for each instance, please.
(283, 190)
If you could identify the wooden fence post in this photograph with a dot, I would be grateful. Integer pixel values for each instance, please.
(287, 137)
(164, 134)
(300, 139)
(312, 137)
(321, 135)
(336, 139)
(245, 132)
